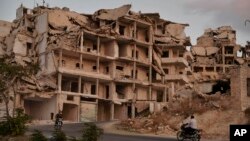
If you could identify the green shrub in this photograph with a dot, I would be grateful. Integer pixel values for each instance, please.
(91, 132)
(38, 136)
(59, 135)
(14, 125)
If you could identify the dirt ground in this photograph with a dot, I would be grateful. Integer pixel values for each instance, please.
(214, 116)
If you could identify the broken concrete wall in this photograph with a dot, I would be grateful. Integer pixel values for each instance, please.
(51, 63)
(240, 82)
(206, 41)
(199, 60)
(104, 111)
(124, 29)
(205, 87)
(123, 70)
(69, 62)
(142, 34)
(141, 93)
(20, 45)
(142, 53)
(104, 90)
(87, 87)
(88, 112)
(111, 14)
(125, 50)
(123, 91)
(70, 112)
(46, 108)
(5, 28)
(142, 74)
(89, 65)
(41, 25)
(111, 49)
(105, 67)
(176, 30)
(120, 112)
(89, 45)
(141, 105)
(70, 99)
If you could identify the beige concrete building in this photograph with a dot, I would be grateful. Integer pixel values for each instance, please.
(240, 86)
(214, 56)
(96, 67)
(170, 38)
(216, 50)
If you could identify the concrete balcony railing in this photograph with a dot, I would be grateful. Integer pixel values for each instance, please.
(79, 72)
(178, 60)
(177, 77)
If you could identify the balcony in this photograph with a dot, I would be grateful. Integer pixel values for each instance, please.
(178, 60)
(79, 72)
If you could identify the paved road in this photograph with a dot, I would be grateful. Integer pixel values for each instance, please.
(74, 129)
(113, 137)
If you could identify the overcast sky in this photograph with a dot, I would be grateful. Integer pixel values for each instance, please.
(199, 14)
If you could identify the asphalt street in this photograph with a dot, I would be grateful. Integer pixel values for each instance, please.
(75, 130)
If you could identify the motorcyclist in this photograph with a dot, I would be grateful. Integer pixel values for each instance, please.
(191, 126)
(58, 117)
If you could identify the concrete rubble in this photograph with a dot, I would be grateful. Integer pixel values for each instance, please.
(115, 63)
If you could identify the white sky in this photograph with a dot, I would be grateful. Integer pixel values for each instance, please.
(199, 14)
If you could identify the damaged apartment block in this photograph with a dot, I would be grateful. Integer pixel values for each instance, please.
(214, 56)
(113, 64)
(96, 67)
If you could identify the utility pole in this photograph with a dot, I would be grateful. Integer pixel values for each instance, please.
(247, 21)
(43, 2)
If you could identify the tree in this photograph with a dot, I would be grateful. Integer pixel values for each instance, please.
(10, 74)
(91, 132)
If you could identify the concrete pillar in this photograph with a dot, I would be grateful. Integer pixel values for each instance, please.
(223, 59)
(165, 94)
(79, 84)
(133, 110)
(59, 82)
(172, 90)
(112, 97)
(98, 45)
(112, 69)
(117, 26)
(97, 87)
(81, 41)
(112, 111)
(135, 30)
(98, 58)
(151, 34)
(60, 58)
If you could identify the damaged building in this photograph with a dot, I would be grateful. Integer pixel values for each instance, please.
(113, 64)
(171, 41)
(214, 56)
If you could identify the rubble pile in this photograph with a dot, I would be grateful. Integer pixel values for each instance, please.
(169, 120)
(153, 123)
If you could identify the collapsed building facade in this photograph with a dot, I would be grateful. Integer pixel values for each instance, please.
(240, 80)
(214, 56)
(115, 63)
(171, 40)
(95, 67)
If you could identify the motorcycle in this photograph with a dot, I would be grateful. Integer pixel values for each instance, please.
(184, 134)
(58, 124)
